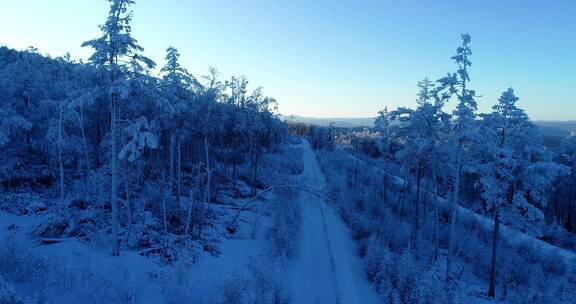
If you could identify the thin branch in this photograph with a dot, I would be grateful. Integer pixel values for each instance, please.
(252, 199)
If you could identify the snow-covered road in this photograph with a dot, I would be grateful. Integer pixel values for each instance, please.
(326, 268)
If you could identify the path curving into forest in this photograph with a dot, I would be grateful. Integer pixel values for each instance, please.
(326, 268)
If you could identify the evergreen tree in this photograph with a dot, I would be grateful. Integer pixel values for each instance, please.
(421, 130)
(563, 207)
(456, 84)
(515, 170)
(114, 50)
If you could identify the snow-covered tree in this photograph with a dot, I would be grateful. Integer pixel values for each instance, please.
(456, 84)
(421, 131)
(515, 170)
(563, 207)
(115, 49)
(383, 125)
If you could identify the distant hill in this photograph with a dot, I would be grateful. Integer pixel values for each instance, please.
(550, 128)
(556, 128)
(554, 131)
(338, 121)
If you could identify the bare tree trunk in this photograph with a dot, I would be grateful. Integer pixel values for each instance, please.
(84, 141)
(425, 208)
(454, 207)
(255, 221)
(128, 207)
(252, 171)
(492, 284)
(98, 139)
(256, 159)
(84, 145)
(163, 197)
(356, 174)
(171, 172)
(178, 176)
(190, 219)
(26, 105)
(208, 181)
(61, 165)
(385, 192)
(401, 198)
(114, 185)
(435, 202)
(414, 239)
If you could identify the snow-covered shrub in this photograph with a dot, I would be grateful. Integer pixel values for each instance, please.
(475, 251)
(26, 266)
(395, 234)
(111, 285)
(78, 220)
(21, 263)
(233, 291)
(568, 283)
(558, 236)
(288, 161)
(8, 293)
(22, 203)
(265, 286)
(401, 278)
(541, 288)
(553, 264)
(404, 277)
(174, 285)
(434, 289)
(174, 294)
(526, 251)
(378, 259)
(171, 248)
(181, 271)
(283, 234)
(513, 276)
(54, 226)
(95, 190)
(365, 142)
(261, 285)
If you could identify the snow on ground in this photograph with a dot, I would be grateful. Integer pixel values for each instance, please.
(209, 273)
(326, 268)
(149, 280)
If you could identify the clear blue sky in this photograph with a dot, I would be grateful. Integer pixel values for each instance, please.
(336, 58)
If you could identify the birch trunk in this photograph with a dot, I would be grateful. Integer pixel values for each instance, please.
(84, 146)
(189, 220)
(61, 165)
(208, 181)
(128, 207)
(114, 185)
(178, 176)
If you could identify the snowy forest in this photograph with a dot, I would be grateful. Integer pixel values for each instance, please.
(126, 180)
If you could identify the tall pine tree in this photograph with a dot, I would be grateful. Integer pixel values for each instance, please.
(115, 49)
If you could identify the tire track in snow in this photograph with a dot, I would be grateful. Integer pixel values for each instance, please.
(326, 269)
(330, 254)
